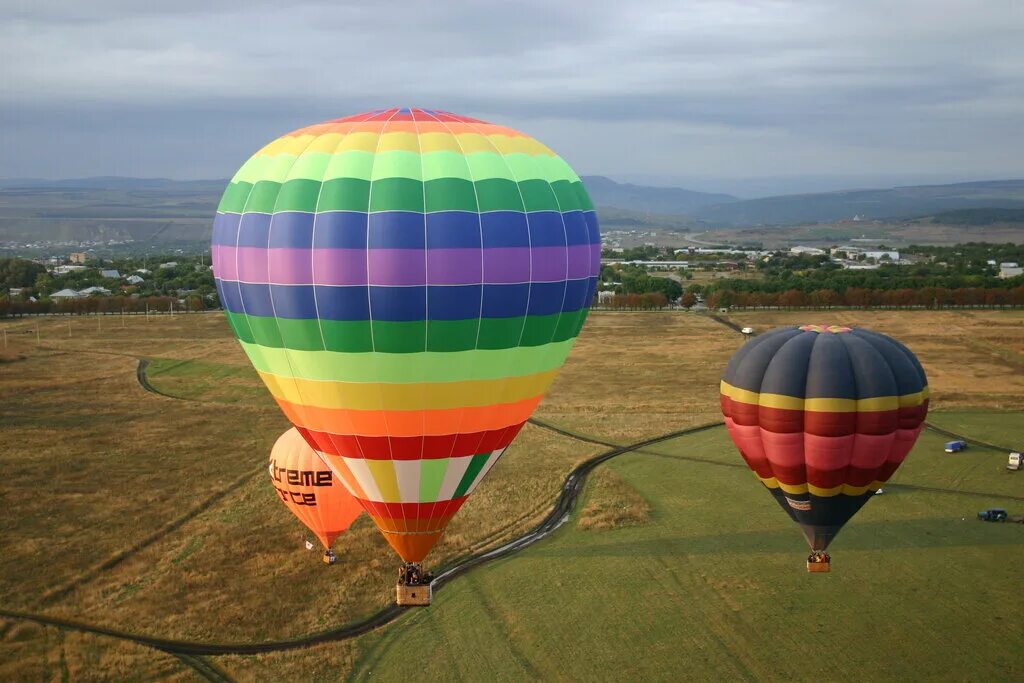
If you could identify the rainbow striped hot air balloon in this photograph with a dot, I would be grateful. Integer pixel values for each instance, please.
(407, 283)
(823, 415)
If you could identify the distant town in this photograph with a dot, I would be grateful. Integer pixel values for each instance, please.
(655, 274)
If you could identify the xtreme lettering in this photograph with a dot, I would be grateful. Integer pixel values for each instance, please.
(300, 477)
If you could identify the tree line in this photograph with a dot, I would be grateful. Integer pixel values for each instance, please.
(859, 297)
(99, 305)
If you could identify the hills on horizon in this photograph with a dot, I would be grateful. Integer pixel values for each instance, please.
(113, 205)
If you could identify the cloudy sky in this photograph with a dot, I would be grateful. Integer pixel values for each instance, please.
(750, 97)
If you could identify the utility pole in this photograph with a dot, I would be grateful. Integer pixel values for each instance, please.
(122, 318)
(37, 332)
(69, 328)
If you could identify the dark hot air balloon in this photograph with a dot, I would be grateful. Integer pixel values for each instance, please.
(823, 415)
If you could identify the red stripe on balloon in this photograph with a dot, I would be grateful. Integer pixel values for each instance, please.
(411, 447)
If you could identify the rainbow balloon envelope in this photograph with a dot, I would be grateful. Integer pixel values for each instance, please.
(407, 283)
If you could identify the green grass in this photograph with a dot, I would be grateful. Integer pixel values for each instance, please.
(201, 380)
(713, 587)
(1001, 429)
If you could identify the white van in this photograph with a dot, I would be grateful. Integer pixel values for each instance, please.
(1015, 461)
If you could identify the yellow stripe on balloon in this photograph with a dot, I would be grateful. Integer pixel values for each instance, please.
(845, 489)
(432, 396)
(383, 472)
(824, 405)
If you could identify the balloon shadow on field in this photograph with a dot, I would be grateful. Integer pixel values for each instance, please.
(906, 534)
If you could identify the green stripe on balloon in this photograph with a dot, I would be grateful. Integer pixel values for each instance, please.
(409, 368)
(403, 194)
(406, 337)
(432, 471)
(475, 465)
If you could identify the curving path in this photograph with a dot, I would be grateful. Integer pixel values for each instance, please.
(563, 506)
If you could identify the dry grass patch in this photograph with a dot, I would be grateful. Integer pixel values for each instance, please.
(633, 375)
(41, 653)
(612, 503)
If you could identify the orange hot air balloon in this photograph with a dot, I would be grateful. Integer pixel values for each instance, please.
(306, 487)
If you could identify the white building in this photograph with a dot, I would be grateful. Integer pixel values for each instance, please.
(134, 280)
(89, 291)
(810, 251)
(64, 270)
(65, 294)
(110, 273)
(1007, 270)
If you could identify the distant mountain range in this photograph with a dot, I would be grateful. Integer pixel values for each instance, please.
(159, 209)
(894, 203)
(660, 200)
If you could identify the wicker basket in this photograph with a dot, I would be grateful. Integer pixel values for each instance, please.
(819, 566)
(413, 595)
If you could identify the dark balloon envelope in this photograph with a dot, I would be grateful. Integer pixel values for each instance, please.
(823, 415)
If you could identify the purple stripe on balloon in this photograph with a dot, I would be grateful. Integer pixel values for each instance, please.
(339, 266)
(223, 266)
(396, 266)
(507, 264)
(405, 267)
(455, 266)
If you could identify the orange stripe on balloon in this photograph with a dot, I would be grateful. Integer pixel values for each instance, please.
(409, 422)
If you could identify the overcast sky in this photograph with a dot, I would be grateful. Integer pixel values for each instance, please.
(714, 95)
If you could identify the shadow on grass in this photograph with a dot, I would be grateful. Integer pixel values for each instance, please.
(916, 533)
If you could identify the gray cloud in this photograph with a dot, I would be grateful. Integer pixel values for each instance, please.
(698, 89)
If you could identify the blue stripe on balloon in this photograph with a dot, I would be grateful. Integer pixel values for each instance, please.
(461, 302)
(404, 230)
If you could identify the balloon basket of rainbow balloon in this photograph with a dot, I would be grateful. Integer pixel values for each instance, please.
(417, 596)
(414, 585)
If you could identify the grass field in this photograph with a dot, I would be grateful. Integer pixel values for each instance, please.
(713, 587)
(150, 514)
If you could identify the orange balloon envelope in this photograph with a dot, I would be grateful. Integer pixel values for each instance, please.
(306, 487)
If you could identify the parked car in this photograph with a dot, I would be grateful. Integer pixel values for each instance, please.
(747, 330)
(1015, 461)
(993, 515)
(955, 446)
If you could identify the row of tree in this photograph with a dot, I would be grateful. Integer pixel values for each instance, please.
(856, 297)
(100, 305)
(636, 302)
